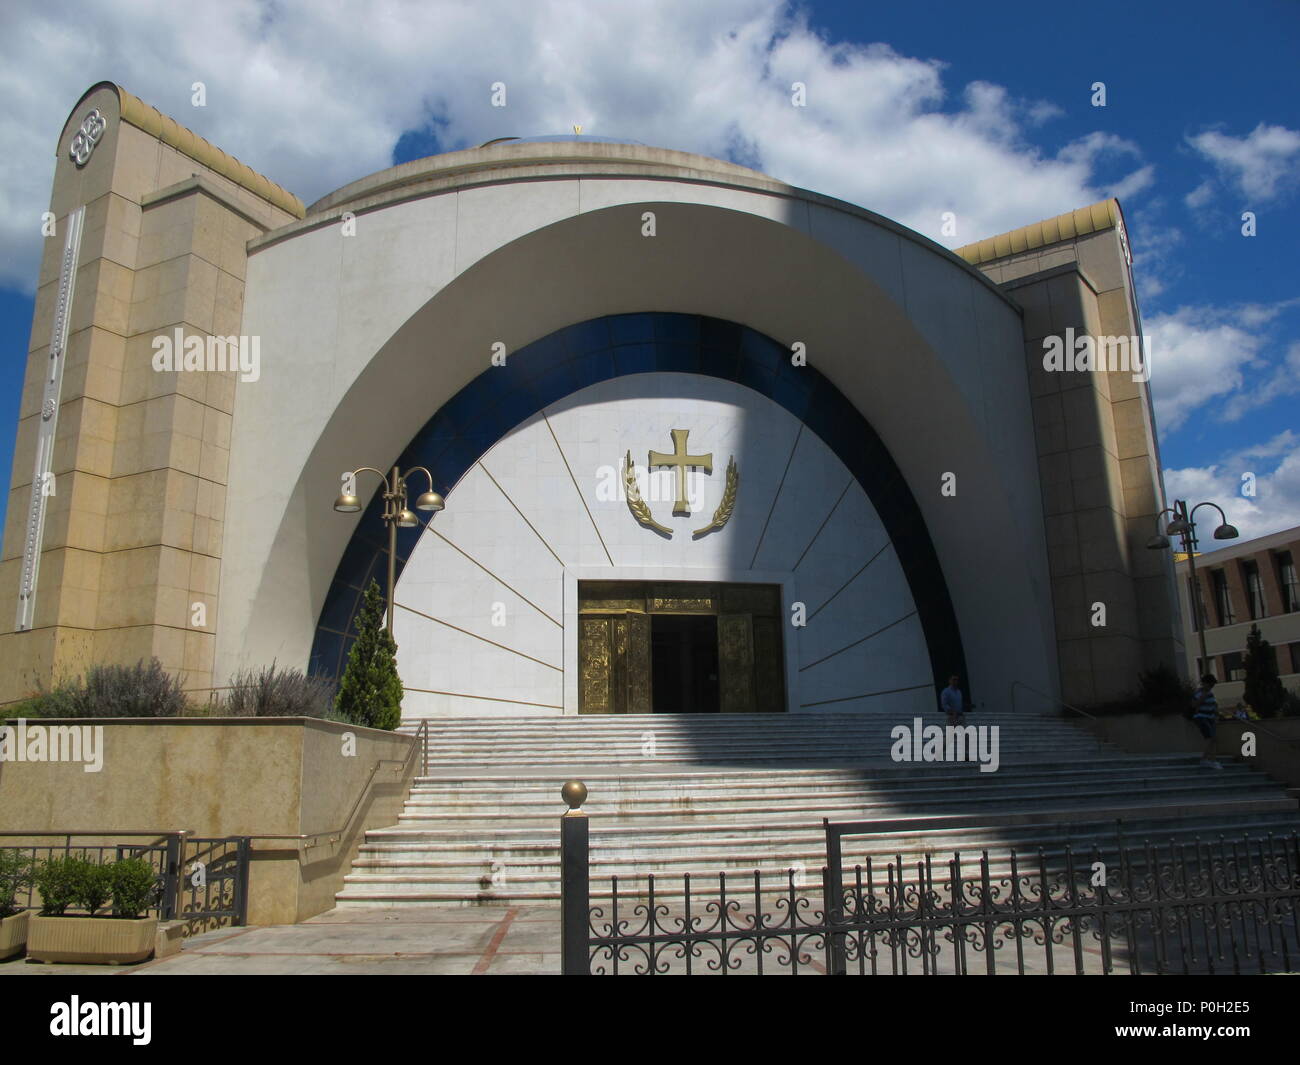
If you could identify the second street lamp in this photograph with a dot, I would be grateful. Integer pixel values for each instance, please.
(1184, 527)
(396, 514)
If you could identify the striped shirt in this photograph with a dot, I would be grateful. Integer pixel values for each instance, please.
(1206, 704)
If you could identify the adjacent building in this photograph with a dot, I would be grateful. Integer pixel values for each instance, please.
(1245, 584)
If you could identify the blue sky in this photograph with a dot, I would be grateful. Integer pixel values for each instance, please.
(913, 109)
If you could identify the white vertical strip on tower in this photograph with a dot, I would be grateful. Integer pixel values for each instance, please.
(42, 477)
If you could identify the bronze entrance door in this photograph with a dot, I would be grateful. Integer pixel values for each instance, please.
(679, 647)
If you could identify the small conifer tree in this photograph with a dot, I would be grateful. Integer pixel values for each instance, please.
(1264, 690)
(370, 693)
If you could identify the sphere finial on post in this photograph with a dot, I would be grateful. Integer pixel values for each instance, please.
(574, 793)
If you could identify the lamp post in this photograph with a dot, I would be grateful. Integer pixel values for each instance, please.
(395, 512)
(1183, 526)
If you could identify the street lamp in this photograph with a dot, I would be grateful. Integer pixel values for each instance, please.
(396, 513)
(1184, 527)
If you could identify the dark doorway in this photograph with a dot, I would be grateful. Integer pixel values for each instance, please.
(684, 663)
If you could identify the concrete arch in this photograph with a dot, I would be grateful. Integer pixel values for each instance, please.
(929, 356)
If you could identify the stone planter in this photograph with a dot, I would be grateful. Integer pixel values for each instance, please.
(91, 940)
(13, 934)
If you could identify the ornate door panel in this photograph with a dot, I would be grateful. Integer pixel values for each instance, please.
(769, 662)
(736, 663)
(632, 664)
(594, 659)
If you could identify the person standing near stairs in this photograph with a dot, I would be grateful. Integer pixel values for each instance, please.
(950, 701)
(1205, 715)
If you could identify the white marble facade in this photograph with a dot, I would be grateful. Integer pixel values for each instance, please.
(487, 604)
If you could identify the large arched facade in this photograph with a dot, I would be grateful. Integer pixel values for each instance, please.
(368, 338)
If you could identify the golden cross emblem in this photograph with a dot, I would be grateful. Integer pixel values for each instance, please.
(681, 460)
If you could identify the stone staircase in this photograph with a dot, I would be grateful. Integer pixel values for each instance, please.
(672, 794)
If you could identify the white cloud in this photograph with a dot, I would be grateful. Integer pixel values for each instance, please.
(1200, 196)
(1283, 380)
(317, 95)
(1276, 503)
(1197, 355)
(1262, 164)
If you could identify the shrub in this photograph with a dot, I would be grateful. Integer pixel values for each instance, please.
(57, 702)
(131, 691)
(94, 886)
(141, 690)
(134, 886)
(272, 692)
(370, 693)
(58, 880)
(15, 878)
(1162, 686)
(1264, 691)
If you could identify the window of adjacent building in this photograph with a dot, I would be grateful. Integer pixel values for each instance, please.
(1294, 649)
(1287, 578)
(1254, 590)
(1234, 667)
(1222, 601)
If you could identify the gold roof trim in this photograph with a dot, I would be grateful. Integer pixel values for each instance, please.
(1078, 223)
(169, 131)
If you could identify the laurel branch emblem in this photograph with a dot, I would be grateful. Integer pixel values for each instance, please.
(635, 503)
(723, 514)
(641, 510)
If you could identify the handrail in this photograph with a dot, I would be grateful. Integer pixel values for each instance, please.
(421, 736)
(102, 832)
(1069, 706)
(1092, 717)
(1258, 728)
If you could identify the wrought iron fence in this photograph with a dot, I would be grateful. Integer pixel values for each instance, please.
(201, 881)
(212, 883)
(1226, 906)
(157, 855)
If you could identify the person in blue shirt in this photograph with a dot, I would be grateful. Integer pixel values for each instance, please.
(1205, 715)
(950, 701)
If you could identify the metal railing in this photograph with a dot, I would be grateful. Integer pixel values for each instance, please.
(203, 881)
(1189, 907)
(334, 835)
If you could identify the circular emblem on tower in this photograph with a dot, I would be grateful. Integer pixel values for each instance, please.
(85, 139)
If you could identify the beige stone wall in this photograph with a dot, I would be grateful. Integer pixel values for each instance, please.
(1277, 741)
(1100, 470)
(228, 777)
(133, 533)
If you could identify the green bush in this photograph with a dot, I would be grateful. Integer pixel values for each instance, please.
(56, 702)
(59, 880)
(1264, 691)
(272, 692)
(15, 878)
(134, 886)
(94, 886)
(1158, 691)
(1162, 686)
(141, 690)
(370, 693)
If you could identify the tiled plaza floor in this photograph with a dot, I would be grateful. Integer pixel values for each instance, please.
(381, 942)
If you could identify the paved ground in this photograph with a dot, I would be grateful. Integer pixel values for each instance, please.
(407, 941)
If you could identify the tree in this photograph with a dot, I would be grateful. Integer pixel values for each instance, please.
(1264, 691)
(370, 693)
